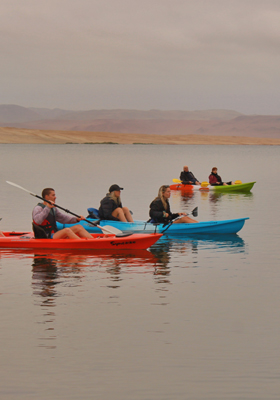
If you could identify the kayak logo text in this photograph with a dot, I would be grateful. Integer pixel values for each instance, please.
(121, 243)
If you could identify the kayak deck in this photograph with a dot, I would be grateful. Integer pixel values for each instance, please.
(25, 240)
(207, 227)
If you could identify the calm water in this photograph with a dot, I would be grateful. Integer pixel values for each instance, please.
(192, 318)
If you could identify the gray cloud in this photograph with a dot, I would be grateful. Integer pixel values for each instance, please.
(154, 54)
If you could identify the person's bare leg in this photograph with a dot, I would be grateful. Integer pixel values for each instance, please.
(118, 213)
(185, 220)
(65, 233)
(127, 214)
(80, 231)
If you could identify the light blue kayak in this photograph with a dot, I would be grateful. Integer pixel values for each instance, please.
(207, 227)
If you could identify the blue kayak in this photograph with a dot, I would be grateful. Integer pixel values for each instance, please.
(207, 227)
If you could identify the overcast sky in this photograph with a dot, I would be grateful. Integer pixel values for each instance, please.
(148, 54)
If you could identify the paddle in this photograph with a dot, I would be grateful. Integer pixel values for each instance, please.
(112, 230)
(1, 233)
(203, 184)
(194, 213)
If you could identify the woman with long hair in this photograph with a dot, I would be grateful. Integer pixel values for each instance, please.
(111, 206)
(160, 208)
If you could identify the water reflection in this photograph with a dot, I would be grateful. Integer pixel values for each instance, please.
(217, 200)
(227, 242)
(181, 199)
(175, 245)
(53, 274)
(216, 197)
(45, 277)
(57, 274)
(162, 270)
(186, 196)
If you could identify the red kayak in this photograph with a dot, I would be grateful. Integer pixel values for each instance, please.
(26, 240)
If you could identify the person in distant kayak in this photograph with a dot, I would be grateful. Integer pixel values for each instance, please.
(111, 206)
(160, 208)
(46, 214)
(215, 179)
(188, 177)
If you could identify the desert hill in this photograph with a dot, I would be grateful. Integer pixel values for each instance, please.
(214, 123)
(10, 113)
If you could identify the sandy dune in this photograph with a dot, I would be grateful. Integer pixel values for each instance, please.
(28, 136)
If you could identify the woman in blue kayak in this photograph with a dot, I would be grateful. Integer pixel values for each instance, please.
(111, 206)
(160, 208)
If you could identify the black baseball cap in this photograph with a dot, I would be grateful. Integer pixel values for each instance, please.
(114, 187)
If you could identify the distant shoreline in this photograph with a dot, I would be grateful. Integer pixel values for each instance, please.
(9, 135)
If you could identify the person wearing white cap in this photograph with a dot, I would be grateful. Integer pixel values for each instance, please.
(111, 206)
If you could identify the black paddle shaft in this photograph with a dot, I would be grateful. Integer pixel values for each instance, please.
(65, 209)
(122, 234)
(194, 213)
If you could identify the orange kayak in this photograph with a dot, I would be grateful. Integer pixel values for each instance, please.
(26, 240)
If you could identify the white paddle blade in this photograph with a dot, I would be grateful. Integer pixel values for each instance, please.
(20, 187)
(110, 229)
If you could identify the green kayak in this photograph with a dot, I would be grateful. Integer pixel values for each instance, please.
(238, 187)
(241, 187)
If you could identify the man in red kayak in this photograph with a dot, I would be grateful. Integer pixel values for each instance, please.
(46, 214)
(187, 177)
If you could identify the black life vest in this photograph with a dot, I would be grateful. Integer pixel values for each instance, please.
(49, 224)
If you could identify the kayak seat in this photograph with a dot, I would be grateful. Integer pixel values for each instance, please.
(153, 221)
(39, 232)
(93, 213)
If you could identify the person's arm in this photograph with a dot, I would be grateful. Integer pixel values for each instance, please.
(172, 215)
(156, 211)
(64, 218)
(176, 215)
(189, 178)
(193, 179)
(39, 214)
